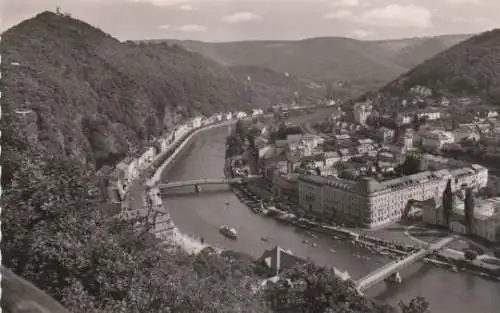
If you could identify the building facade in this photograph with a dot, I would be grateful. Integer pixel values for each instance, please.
(362, 111)
(485, 222)
(436, 139)
(372, 203)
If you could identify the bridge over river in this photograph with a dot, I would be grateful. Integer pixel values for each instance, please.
(394, 267)
(196, 183)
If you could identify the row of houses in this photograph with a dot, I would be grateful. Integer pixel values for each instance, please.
(129, 169)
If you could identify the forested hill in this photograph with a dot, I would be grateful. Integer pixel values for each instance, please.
(95, 98)
(470, 68)
(360, 65)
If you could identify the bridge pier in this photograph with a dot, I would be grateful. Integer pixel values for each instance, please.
(197, 188)
(395, 278)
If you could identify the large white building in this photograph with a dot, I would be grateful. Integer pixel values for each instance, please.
(146, 158)
(362, 111)
(127, 171)
(196, 122)
(308, 144)
(436, 139)
(373, 203)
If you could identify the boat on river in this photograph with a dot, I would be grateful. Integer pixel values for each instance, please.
(228, 232)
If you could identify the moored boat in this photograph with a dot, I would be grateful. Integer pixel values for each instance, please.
(228, 232)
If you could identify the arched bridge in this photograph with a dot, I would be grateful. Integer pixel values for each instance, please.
(394, 267)
(206, 181)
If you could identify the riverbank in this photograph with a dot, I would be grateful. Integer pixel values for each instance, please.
(393, 249)
(171, 233)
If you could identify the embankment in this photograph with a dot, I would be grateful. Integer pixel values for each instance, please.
(189, 244)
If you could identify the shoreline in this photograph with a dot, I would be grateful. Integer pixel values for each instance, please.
(388, 248)
(174, 235)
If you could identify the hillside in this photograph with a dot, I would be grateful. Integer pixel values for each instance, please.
(361, 65)
(95, 98)
(470, 68)
(409, 53)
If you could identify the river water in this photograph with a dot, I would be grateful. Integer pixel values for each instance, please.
(200, 215)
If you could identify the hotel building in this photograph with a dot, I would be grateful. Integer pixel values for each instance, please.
(371, 203)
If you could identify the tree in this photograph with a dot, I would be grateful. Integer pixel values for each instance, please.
(308, 288)
(447, 203)
(410, 166)
(469, 210)
(318, 171)
(417, 305)
(470, 255)
(282, 131)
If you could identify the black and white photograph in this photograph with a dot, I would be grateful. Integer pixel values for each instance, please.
(250, 156)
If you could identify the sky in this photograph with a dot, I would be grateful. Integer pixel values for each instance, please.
(237, 20)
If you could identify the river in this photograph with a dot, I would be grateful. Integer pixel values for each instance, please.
(200, 215)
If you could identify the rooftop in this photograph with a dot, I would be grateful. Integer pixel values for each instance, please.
(367, 185)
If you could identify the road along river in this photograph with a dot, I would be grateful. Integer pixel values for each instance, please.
(200, 215)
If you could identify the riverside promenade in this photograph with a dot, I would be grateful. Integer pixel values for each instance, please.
(137, 196)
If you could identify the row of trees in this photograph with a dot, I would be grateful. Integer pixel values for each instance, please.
(469, 203)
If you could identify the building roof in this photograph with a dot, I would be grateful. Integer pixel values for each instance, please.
(266, 152)
(314, 179)
(280, 143)
(315, 157)
(278, 258)
(370, 185)
(293, 139)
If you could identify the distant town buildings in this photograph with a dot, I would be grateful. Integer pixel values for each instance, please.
(421, 91)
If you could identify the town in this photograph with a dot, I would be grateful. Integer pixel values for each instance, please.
(365, 168)
(338, 173)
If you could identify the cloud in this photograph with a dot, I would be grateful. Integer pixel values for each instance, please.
(461, 2)
(340, 14)
(192, 28)
(361, 33)
(166, 26)
(398, 16)
(478, 21)
(240, 17)
(345, 3)
(162, 2)
(186, 7)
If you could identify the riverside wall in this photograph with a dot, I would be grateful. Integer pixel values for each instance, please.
(165, 228)
(150, 199)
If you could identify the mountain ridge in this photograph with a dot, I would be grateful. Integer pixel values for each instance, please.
(470, 68)
(80, 84)
(360, 65)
